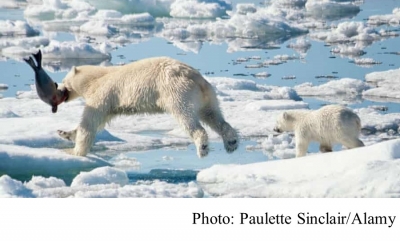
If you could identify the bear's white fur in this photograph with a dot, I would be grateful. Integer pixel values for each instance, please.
(153, 85)
(331, 124)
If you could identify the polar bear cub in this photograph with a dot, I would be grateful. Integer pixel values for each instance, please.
(331, 124)
(153, 85)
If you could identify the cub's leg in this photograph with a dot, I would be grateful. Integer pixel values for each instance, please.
(325, 148)
(301, 145)
(212, 117)
(352, 143)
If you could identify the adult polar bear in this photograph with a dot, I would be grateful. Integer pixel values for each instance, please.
(153, 85)
(331, 124)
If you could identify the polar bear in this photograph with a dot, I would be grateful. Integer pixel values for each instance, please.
(152, 85)
(331, 124)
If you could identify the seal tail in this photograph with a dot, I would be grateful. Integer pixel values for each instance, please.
(38, 58)
(31, 63)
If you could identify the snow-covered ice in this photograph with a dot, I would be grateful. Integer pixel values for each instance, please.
(325, 9)
(345, 86)
(366, 62)
(102, 182)
(386, 84)
(30, 42)
(392, 19)
(15, 28)
(372, 171)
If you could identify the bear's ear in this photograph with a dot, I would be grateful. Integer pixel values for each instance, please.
(74, 70)
(285, 115)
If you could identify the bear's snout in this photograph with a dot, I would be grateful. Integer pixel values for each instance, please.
(276, 129)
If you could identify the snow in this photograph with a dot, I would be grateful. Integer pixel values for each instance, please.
(392, 19)
(244, 8)
(53, 187)
(345, 50)
(348, 31)
(374, 121)
(386, 83)
(345, 86)
(16, 28)
(95, 28)
(79, 52)
(323, 9)
(103, 175)
(350, 173)
(25, 42)
(244, 31)
(12, 3)
(11, 188)
(199, 9)
(57, 9)
(301, 45)
(267, 105)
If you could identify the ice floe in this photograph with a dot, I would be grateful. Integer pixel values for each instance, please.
(366, 62)
(12, 3)
(331, 10)
(199, 9)
(351, 173)
(345, 86)
(348, 32)
(386, 84)
(301, 45)
(102, 182)
(16, 28)
(30, 42)
(392, 19)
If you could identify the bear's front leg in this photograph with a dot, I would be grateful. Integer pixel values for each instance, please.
(87, 129)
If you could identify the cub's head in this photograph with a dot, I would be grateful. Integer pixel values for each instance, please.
(285, 122)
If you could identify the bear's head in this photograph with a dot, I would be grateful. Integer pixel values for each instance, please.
(285, 122)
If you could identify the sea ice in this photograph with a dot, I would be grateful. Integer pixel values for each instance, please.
(350, 173)
(386, 84)
(15, 28)
(345, 86)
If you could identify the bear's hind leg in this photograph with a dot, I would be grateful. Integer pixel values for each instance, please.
(213, 118)
(191, 124)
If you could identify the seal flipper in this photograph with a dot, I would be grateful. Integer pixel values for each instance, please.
(31, 63)
(54, 108)
(38, 58)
